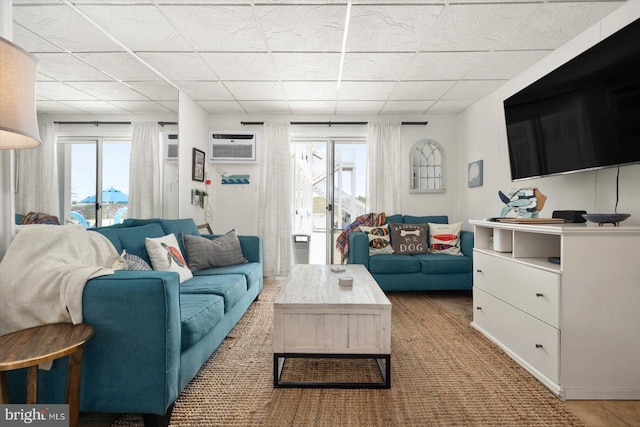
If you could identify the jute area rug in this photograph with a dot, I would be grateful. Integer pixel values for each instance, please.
(444, 373)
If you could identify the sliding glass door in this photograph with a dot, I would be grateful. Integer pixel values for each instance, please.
(95, 180)
(329, 191)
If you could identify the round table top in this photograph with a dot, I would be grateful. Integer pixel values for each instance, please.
(40, 344)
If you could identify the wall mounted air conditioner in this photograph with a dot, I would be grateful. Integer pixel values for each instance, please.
(170, 146)
(232, 147)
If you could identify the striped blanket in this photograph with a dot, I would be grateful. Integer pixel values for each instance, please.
(368, 220)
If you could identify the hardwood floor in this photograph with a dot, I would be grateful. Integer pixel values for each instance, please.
(593, 413)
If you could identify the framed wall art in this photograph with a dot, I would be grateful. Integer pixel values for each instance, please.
(197, 165)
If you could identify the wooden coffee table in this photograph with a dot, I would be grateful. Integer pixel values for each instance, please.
(314, 317)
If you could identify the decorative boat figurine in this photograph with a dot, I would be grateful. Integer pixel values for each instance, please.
(525, 202)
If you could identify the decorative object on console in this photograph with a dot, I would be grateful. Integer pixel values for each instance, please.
(408, 239)
(569, 216)
(525, 202)
(379, 241)
(445, 238)
(614, 218)
(474, 172)
(197, 165)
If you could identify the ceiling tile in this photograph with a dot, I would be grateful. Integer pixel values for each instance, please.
(307, 65)
(139, 27)
(302, 28)
(141, 106)
(353, 91)
(363, 107)
(172, 106)
(310, 91)
(95, 107)
(221, 107)
(553, 24)
(476, 26)
(442, 65)
(421, 90)
(241, 66)
(32, 42)
(63, 27)
(61, 91)
(390, 28)
(256, 91)
(406, 107)
(43, 78)
(451, 107)
(505, 64)
(179, 65)
(473, 89)
(55, 107)
(157, 90)
(199, 90)
(66, 67)
(312, 107)
(108, 90)
(235, 27)
(120, 65)
(375, 66)
(266, 106)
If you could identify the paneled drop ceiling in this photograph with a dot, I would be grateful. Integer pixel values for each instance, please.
(288, 56)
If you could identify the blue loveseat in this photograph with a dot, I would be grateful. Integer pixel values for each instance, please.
(152, 333)
(422, 272)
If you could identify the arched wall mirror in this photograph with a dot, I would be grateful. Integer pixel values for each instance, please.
(427, 167)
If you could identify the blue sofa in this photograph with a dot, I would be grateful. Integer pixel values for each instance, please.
(152, 333)
(422, 272)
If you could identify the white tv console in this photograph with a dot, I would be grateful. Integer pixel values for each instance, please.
(575, 326)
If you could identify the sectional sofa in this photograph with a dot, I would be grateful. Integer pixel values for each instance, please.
(153, 333)
(419, 272)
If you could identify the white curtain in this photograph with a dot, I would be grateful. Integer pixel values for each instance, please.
(274, 199)
(384, 168)
(145, 172)
(37, 175)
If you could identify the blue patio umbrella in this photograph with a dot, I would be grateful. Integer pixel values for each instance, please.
(110, 195)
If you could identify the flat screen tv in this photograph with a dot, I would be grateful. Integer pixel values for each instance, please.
(583, 115)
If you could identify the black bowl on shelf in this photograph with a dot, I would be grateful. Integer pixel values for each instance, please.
(601, 219)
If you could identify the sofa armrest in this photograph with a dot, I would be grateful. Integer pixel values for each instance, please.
(358, 248)
(466, 242)
(251, 246)
(132, 364)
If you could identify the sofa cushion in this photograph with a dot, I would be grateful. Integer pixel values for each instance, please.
(379, 239)
(391, 264)
(169, 226)
(397, 218)
(252, 272)
(444, 264)
(199, 314)
(409, 239)
(445, 238)
(231, 287)
(131, 239)
(165, 255)
(437, 219)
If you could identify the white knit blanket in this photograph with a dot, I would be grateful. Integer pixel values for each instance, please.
(44, 271)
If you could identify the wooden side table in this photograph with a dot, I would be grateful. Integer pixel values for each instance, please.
(29, 347)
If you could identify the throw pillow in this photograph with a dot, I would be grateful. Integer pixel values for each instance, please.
(165, 255)
(408, 239)
(205, 253)
(445, 238)
(379, 242)
(134, 262)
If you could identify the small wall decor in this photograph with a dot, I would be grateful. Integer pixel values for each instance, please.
(475, 172)
(235, 179)
(197, 165)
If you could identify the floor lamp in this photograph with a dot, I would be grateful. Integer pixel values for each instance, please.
(18, 121)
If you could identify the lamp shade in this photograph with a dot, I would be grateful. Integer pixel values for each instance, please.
(18, 119)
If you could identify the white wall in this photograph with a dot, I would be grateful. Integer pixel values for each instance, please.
(192, 133)
(483, 136)
(236, 206)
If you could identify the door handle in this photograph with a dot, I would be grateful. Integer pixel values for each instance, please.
(329, 207)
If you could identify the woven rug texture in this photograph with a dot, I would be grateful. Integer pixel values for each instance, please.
(443, 373)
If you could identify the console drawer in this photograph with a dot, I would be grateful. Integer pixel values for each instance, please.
(534, 341)
(530, 289)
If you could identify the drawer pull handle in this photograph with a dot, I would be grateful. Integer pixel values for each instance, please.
(538, 294)
(478, 271)
(538, 345)
(478, 308)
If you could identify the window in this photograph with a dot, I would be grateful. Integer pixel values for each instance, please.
(427, 167)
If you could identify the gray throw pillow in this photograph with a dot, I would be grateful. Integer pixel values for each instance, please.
(134, 262)
(409, 238)
(204, 253)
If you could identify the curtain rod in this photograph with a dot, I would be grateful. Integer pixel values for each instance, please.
(334, 123)
(97, 123)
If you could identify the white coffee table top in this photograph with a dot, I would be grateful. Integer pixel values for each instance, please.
(310, 285)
